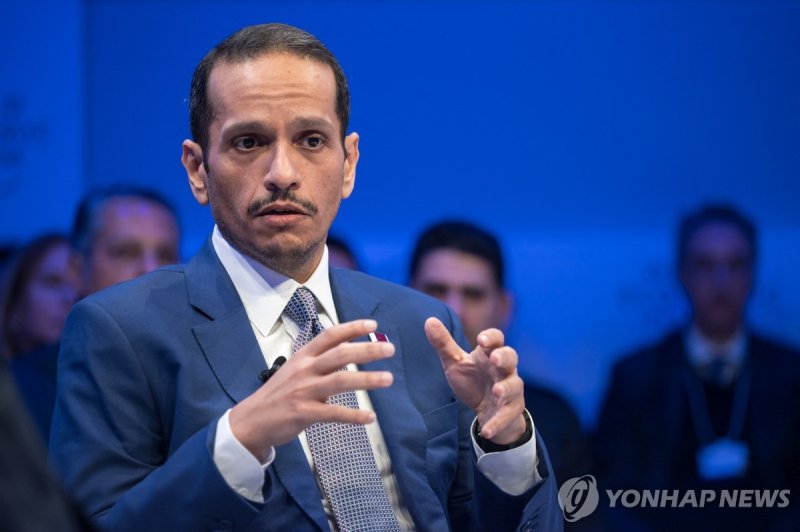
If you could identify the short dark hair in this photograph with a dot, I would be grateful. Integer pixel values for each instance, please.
(85, 223)
(460, 236)
(715, 213)
(250, 43)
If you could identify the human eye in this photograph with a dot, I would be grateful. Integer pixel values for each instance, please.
(167, 256)
(124, 251)
(246, 143)
(439, 291)
(739, 265)
(313, 141)
(474, 294)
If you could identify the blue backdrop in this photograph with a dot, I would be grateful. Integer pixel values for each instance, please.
(579, 131)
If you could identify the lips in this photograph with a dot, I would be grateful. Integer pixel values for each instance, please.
(281, 209)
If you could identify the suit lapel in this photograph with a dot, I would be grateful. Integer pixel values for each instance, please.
(403, 428)
(761, 421)
(227, 339)
(291, 468)
(667, 421)
(230, 347)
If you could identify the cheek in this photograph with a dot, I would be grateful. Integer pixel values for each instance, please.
(697, 289)
(40, 299)
(228, 201)
(34, 311)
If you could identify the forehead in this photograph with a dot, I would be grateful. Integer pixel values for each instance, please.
(129, 216)
(56, 256)
(448, 266)
(718, 238)
(272, 81)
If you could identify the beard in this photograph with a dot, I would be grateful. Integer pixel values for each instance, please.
(292, 255)
(292, 259)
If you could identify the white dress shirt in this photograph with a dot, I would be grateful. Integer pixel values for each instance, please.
(264, 294)
(702, 351)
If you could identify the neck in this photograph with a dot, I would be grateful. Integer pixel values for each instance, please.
(717, 335)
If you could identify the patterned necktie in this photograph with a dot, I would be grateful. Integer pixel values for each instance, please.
(342, 454)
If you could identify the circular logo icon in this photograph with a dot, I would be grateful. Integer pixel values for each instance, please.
(578, 497)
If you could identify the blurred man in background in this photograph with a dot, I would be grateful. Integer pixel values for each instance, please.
(121, 233)
(713, 405)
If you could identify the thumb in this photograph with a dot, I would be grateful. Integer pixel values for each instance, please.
(441, 340)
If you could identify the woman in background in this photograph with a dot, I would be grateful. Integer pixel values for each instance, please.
(39, 286)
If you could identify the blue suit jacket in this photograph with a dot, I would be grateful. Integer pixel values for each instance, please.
(147, 368)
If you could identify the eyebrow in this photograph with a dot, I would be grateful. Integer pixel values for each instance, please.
(243, 127)
(302, 123)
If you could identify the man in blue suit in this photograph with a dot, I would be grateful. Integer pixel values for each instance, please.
(162, 421)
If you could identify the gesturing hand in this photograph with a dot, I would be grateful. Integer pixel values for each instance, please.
(485, 380)
(295, 396)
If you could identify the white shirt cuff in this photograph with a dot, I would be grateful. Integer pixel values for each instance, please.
(513, 471)
(240, 469)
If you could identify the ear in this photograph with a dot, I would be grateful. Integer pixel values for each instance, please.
(192, 159)
(683, 278)
(505, 309)
(75, 261)
(350, 162)
(84, 265)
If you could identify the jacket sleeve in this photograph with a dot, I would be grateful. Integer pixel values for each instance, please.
(110, 446)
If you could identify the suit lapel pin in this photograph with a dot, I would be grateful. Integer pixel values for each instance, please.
(378, 337)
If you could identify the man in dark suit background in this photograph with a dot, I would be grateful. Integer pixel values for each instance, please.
(711, 406)
(162, 421)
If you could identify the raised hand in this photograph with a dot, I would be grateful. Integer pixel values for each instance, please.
(295, 396)
(485, 380)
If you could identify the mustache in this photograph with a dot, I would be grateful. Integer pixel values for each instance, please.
(288, 196)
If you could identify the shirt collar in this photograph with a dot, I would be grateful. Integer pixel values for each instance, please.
(265, 292)
(702, 351)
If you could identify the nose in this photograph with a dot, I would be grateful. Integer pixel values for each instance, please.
(282, 174)
(454, 301)
(68, 293)
(149, 262)
(722, 275)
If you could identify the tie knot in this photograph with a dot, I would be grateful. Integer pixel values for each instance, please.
(301, 307)
(717, 371)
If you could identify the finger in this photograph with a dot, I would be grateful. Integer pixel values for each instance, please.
(355, 353)
(341, 381)
(342, 414)
(335, 335)
(508, 389)
(507, 421)
(509, 402)
(490, 339)
(441, 340)
(504, 359)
